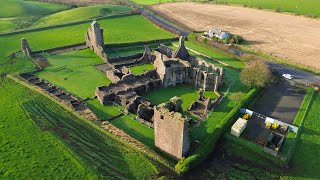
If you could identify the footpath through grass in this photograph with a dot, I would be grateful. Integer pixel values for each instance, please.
(75, 72)
(81, 13)
(116, 30)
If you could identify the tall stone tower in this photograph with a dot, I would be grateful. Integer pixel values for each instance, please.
(171, 131)
(182, 51)
(94, 36)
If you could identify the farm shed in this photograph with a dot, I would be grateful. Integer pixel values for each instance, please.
(238, 127)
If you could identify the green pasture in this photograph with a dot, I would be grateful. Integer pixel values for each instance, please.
(187, 93)
(215, 54)
(20, 8)
(116, 30)
(306, 158)
(131, 50)
(81, 13)
(140, 69)
(309, 7)
(150, 2)
(27, 150)
(103, 112)
(135, 129)
(101, 152)
(75, 72)
(19, 14)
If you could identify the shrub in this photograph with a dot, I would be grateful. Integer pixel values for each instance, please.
(256, 74)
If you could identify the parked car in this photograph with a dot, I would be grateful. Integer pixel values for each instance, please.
(287, 76)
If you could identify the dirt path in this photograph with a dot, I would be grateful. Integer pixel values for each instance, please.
(286, 36)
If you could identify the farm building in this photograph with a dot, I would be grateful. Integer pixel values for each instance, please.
(218, 33)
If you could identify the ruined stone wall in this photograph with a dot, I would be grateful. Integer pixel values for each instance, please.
(171, 132)
(176, 75)
(95, 40)
(25, 47)
(166, 50)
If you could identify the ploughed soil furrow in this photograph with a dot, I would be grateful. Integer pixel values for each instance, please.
(286, 36)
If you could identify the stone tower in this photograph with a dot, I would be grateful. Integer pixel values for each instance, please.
(181, 52)
(25, 47)
(171, 132)
(94, 36)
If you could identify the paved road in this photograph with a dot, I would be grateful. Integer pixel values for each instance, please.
(299, 75)
(147, 13)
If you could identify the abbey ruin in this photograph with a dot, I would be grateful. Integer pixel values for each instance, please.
(171, 68)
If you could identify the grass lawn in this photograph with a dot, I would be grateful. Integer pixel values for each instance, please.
(116, 30)
(101, 152)
(75, 72)
(306, 158)
(140, 69)
(187, 93)
(20, 8)
(135, 129)
(18, 14)
(215, 54)
(28, 151)
(309, 8)
(130, 50)
(103, 112)
(81, 13)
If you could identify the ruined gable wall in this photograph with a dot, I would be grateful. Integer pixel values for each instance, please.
(171, 132)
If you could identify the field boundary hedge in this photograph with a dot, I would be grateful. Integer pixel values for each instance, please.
(204, 150)
(90, 124)
(64, 24)
(294, 138)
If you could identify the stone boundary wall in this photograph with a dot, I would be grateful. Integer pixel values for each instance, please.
(63, 25)
(60, 48)
(122, 58)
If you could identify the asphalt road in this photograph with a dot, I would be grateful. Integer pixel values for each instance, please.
(298, 75)
(147, 13)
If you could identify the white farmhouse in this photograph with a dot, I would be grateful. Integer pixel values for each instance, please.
(217, 33)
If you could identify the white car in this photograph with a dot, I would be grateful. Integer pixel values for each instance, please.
(287, 76)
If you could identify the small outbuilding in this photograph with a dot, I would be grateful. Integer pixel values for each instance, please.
(238, 127)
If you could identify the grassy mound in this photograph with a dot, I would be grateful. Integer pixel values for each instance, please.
(81, 13)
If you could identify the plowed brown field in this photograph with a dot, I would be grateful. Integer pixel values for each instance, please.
(292, 37)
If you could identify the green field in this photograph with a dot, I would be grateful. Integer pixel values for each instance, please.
(149, 2)
(116, 30)
(140, 69)
(17, 14)
(309, 7)
(75, 72)
(28, 151)
(103, 112)
(306, 159)
(81, 13)
(99, 150)
(187, 93)
(135, 129)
